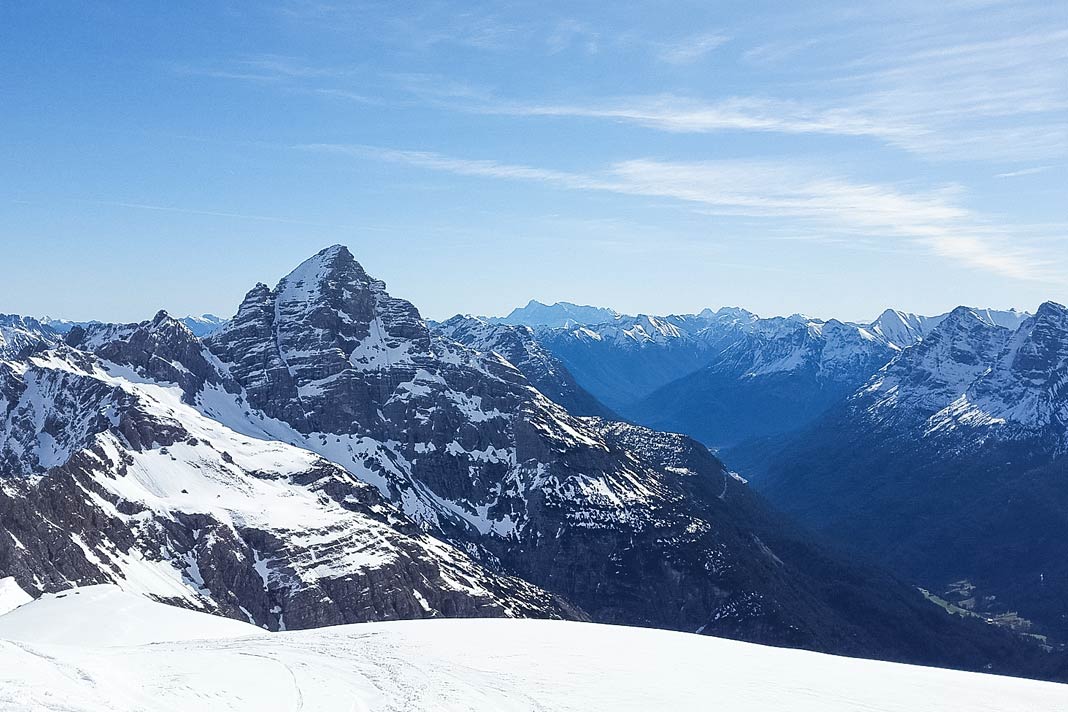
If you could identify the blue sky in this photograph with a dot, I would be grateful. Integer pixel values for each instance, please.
(815, 157)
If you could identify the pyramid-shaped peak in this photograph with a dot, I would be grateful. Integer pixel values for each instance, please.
(963, 316)
(1051, 309)
(892, 316)
(326, 263)
(331, 275)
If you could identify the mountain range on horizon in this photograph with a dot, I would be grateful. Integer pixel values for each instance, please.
(563, 314)
(324, 457)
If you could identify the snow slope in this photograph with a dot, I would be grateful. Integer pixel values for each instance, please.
(11, 595)
(492, 665)
(104, 616)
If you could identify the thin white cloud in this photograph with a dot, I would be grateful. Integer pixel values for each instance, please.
(691, 49)
(811, 202)
(568, 34)
(267, 68)
(947, 82)
(685, 115)
(1023, 172)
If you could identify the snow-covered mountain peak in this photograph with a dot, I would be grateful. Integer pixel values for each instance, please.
(1025, 388)
(727, 315)
(324, 333)
(21, 335)
(203, 324)
(325, 275)
(935, 371)
(1052, 311)
(972, 371)
(902, 329)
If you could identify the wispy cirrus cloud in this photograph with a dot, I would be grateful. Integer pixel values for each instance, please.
(267, 68)
(942, 95)
(811, 202)
(1033, 170)
(688, 50)
(680, 114)
(954, 82)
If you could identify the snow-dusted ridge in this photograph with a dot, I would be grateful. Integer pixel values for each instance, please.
(143, 656)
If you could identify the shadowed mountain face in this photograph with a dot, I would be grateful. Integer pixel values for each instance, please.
(951, 465)
(324, 458)
(772, 378)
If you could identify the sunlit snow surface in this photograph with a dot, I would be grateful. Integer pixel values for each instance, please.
(92, 651)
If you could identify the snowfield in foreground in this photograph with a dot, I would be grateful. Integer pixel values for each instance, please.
(100, 649)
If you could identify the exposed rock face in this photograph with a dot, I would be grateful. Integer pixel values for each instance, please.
(326, 347)
(112, 472)
(950, 464)
(519, 346)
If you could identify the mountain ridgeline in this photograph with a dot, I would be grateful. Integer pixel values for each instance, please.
(323, 457)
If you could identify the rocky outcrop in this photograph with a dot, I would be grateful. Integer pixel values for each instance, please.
(149, 491)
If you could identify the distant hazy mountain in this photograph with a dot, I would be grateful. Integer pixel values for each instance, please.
(904, 329)
(204, 324)
(62, 326)
(200, 325)
(624, 360)
(560, 314)
(951, 465)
